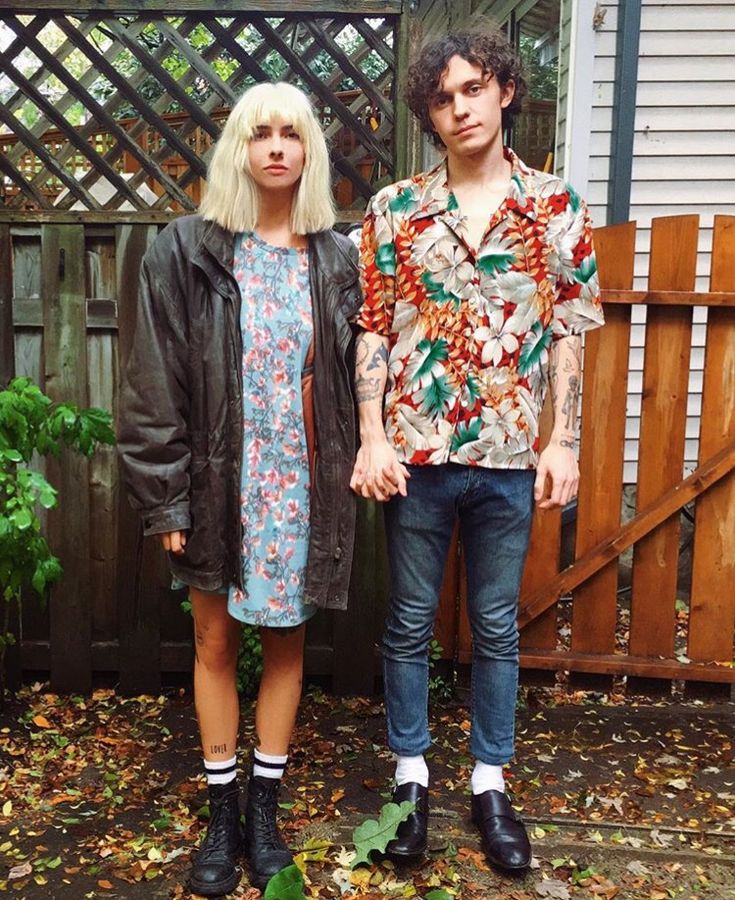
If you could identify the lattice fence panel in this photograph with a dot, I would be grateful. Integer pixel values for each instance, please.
(120, 112)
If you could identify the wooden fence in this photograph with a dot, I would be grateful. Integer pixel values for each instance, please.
(598, 626)
(114, 612)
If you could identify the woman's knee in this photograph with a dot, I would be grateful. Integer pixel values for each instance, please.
(215, 646)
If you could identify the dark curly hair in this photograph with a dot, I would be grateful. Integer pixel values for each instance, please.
(480, 46)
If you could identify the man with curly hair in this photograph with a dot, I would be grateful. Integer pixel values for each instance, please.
(479, 277)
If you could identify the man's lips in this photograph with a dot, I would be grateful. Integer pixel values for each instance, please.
(465, 130)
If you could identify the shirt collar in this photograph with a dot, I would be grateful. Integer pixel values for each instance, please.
(436, 199)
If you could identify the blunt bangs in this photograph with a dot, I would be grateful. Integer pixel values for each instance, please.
(231, 198)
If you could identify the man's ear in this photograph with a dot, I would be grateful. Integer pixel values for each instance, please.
(507, 92)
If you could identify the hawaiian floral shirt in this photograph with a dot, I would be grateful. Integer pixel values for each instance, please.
(470, 332)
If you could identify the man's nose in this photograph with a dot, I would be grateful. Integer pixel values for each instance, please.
(460, 106)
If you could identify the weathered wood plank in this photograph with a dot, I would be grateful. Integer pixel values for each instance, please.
(141, 568)
(65, 356)
(673, 263)
(353, 662)
(7, 372)
(103, 381)
(121, 217)
(446, 626)
(641, 524)
(670, 298)
(543, 558)
(594, 611)
(639, 666)
(407, 137)
(712, 603)
(7, 331)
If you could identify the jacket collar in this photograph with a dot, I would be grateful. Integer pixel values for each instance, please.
(326, 254)
(435, 198)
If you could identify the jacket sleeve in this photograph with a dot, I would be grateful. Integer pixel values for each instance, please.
(153, 440)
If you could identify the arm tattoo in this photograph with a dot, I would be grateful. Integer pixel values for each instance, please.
(380, 358)
(570, 444)
(367, 389)
(361, 350)
(569, 407)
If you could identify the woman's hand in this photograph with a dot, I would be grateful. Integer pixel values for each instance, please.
(174, 541)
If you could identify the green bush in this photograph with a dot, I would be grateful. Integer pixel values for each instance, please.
(31, 423)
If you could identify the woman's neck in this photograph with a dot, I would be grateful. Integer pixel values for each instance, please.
(274, 220)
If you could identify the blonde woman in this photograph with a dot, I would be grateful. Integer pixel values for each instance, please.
(237, 441)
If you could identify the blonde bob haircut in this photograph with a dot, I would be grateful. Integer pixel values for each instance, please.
(231, 198)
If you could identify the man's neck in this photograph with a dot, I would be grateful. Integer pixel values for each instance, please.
(487, 168)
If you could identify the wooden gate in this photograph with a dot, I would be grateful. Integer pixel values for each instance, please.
(579, 619)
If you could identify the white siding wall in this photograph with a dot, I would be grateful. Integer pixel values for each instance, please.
(683, 151)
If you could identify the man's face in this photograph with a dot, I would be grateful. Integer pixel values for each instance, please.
(466, 109)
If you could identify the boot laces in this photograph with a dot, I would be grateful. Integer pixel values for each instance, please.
(220, 824)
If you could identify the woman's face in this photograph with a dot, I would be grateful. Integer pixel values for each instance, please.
(276, 156)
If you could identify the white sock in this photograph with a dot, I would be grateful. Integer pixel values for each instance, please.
(487, 778)
(220, 771)
(412, 768)
(269, 766)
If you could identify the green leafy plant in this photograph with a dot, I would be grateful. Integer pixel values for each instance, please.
(373, 835)
(440, 687)
(31, 423)
(288, 884)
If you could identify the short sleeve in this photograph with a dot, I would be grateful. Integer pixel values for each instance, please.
(577, 307)
(377, 270)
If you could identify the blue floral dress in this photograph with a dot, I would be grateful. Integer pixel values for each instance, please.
(277, 329)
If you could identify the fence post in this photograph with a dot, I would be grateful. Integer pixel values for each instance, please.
(139, 563)
(65, 355)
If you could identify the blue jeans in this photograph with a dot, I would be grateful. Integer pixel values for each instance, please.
(494, 508)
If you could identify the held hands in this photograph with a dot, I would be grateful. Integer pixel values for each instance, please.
(377, 474)
(174, 541)
(558, 464)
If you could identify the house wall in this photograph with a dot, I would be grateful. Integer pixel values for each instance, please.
(683, 149)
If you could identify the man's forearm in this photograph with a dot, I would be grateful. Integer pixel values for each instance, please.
(371, 374)
(565, 367)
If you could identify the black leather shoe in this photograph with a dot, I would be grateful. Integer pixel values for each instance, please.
(411, 841)
(504, 837)
(264, 847)
(215, 870)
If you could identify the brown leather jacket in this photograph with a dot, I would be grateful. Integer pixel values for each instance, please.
(181, 438)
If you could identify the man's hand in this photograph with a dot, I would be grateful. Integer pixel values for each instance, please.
(174, 541)
(557, 464)
(377, 474)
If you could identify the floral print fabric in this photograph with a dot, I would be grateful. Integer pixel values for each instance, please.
(470, 330)
(276, 323)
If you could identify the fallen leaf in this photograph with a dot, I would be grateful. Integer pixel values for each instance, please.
(105, 884)
(41, 722)
(552, 887)
(20, 871)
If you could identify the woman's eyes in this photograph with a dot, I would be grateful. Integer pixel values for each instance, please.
(264, 135)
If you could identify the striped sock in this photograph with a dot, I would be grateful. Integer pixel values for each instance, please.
(267, 766)
(220, 771)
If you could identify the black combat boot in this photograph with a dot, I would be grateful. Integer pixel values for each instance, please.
(265, 849)
(215, 870)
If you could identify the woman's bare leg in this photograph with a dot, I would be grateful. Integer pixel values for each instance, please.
(280, 688)
(216, 643)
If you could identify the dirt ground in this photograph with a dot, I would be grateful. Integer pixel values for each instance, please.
(102, 797)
